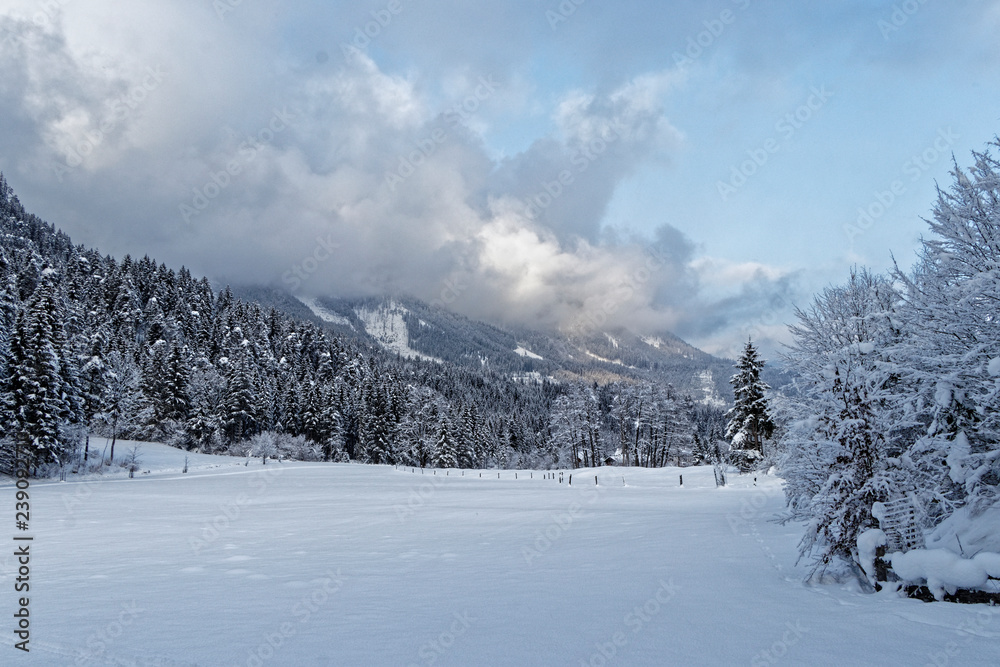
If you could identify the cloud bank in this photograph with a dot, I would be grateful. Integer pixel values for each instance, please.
(197, 138)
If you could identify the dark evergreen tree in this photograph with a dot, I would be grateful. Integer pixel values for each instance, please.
(93, 382)
(42, 399)
(446, 453)
(750, 422)
(203, 428)
(240, 410)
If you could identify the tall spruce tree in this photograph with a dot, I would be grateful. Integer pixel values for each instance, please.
(750, 422)
(447, 448)
(43, 390)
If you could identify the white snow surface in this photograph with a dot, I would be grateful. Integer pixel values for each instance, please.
(340, 564)
(941, 569)
(943, 393)
(659, 343)
(957, 454)
(990, 562)
(710, 395)
(324, 314)
(652, 341)
(600, 358)
(968, 532)
(386, 325)
(525, 352)
(868, 542)
(994, 366)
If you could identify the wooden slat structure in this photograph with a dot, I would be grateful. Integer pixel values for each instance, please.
(899, 523)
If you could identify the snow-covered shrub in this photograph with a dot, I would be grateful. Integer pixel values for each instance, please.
(944, 571)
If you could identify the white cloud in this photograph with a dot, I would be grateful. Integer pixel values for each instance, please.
(318, 187)
(717, 272)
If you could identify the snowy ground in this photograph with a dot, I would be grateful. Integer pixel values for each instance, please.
(337, 564)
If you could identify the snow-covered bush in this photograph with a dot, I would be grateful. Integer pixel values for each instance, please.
(944, 571)
(898, 387)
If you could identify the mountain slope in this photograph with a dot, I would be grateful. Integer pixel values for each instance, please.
(414, 329)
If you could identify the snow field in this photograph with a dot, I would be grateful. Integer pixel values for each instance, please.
(339, 564)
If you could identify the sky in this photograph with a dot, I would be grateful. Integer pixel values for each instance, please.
(695, 167)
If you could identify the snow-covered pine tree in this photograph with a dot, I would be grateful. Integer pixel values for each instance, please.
(321, 420)
(206, 391)
(8, 320)
(419, 427)
(93, 382)
(239, 409)
(468, 437)
(164, 385)
(42, 382)
(750, 422)
(447, 451)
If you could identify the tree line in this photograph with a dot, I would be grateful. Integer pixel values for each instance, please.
(91, 345)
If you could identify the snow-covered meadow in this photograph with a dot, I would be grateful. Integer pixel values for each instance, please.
(340, 564)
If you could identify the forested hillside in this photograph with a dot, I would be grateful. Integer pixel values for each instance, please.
(607, 355)
(92, 345)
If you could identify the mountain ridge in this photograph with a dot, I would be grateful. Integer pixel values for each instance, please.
(415, 329)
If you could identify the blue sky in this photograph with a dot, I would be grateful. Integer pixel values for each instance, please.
(731, 141)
